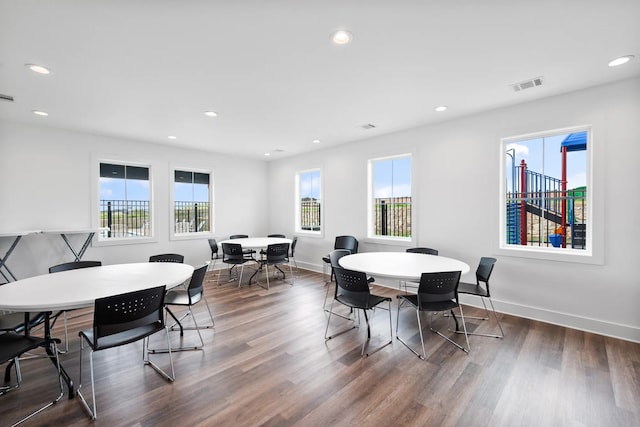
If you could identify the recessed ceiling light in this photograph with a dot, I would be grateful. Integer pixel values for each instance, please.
(172, 137)
(316, 141)
(441, 108)
(341, 37)
(267, 154)
(38, 69)
(621, 60)
(211, 113)
(40, 113)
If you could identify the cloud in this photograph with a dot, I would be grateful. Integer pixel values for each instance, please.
(521, 150)
(577, 180)
(387, 191)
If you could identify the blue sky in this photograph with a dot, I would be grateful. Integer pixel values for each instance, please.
(543, 155)
(310, 185)
(392, 178)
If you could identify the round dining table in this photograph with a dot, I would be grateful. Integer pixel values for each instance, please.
(404, 266)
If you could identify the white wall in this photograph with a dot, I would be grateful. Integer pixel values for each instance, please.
(457, 168)
(46, 181)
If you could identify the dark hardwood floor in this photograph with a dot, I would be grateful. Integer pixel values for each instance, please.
(266, 363)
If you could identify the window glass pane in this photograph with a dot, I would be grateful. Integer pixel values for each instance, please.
(392, 201)
(192, 210)
(124, 201)
(546, 191)
(309, 200)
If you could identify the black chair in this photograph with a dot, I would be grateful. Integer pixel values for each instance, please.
(167, 258)
(483, 273)
(426, 251)
(14, 345)
(233, 255)
(342, 242)
(74, 265)
(438, 292)
(187, 298)
(334, 257)
(282, 236)
(213, 244)
(15, 322)
(248, 253)
(123, 319)
(292, 253)
(352, 290)
(275, 255)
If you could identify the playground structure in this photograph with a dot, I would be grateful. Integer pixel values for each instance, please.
(560, 213)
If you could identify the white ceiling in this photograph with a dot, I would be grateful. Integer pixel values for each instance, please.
(143, 70)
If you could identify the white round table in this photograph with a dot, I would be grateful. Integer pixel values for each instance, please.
(71, 289)
(401, 265)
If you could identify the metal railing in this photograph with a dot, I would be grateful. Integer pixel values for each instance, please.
(392, 216)
(191, 217)
(125, 218)
(310, 215)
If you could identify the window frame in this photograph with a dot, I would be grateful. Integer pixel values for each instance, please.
(297, 203)
(393, 240)
(196, 234)
(592, 253)
(95, 211)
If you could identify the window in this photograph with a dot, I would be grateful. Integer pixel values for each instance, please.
(546, 199)
(390, 197)
(308, 201)
(192, 211)
(125, 195)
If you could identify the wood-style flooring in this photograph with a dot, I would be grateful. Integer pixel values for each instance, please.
(266, 363)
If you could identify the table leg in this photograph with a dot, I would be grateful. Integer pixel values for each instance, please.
(84, 247)
(3, 260)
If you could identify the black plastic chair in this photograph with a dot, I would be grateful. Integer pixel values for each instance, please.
(352, 290)
(124, 319)
(342, 242)
(167, 258)
(275, 255)
(292, 253)
(187, 298)
(426, 251)
(248, 253)
(483, 273)
(438, 292)
(282, 236)
(14, 345)
(15, 322)
(233, 255)
(334, 257)
(213, 244)
(74, 265)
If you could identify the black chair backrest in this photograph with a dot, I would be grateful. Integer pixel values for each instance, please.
(346, 242)
(277, 252)
(484, 269)
(427, 251)
(75, 265)
(437, 287)
(238, 236)
(123, 312)
(351, 283)
(294, 242)
(167, 258)
(195, 284)
(335, 255)
(282, 236)
(232, 251)
(214, 248)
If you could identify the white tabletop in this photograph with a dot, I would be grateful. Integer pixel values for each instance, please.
(401, 265)
(80, 288)
(256, 242)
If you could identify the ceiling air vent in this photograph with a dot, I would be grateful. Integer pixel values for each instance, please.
(6, 97)
(368, 126)
(527, 84)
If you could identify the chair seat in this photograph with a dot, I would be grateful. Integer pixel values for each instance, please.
(181, 297)
(13, 345)
(326, 259)
(361, 302)
(473, 289)
(429, 306)
(121, 338)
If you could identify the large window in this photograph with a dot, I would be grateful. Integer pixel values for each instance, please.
(192, 211)
(308, 201)
(125, 196)
(390, 197)
(546, 197)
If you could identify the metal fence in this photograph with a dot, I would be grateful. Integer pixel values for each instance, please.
(392, 216)
(310, 214)
(191, 217)
(125, 218)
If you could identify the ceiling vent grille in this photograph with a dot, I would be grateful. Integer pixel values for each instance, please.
(6, 97)
(527, 84)
(368, 126)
